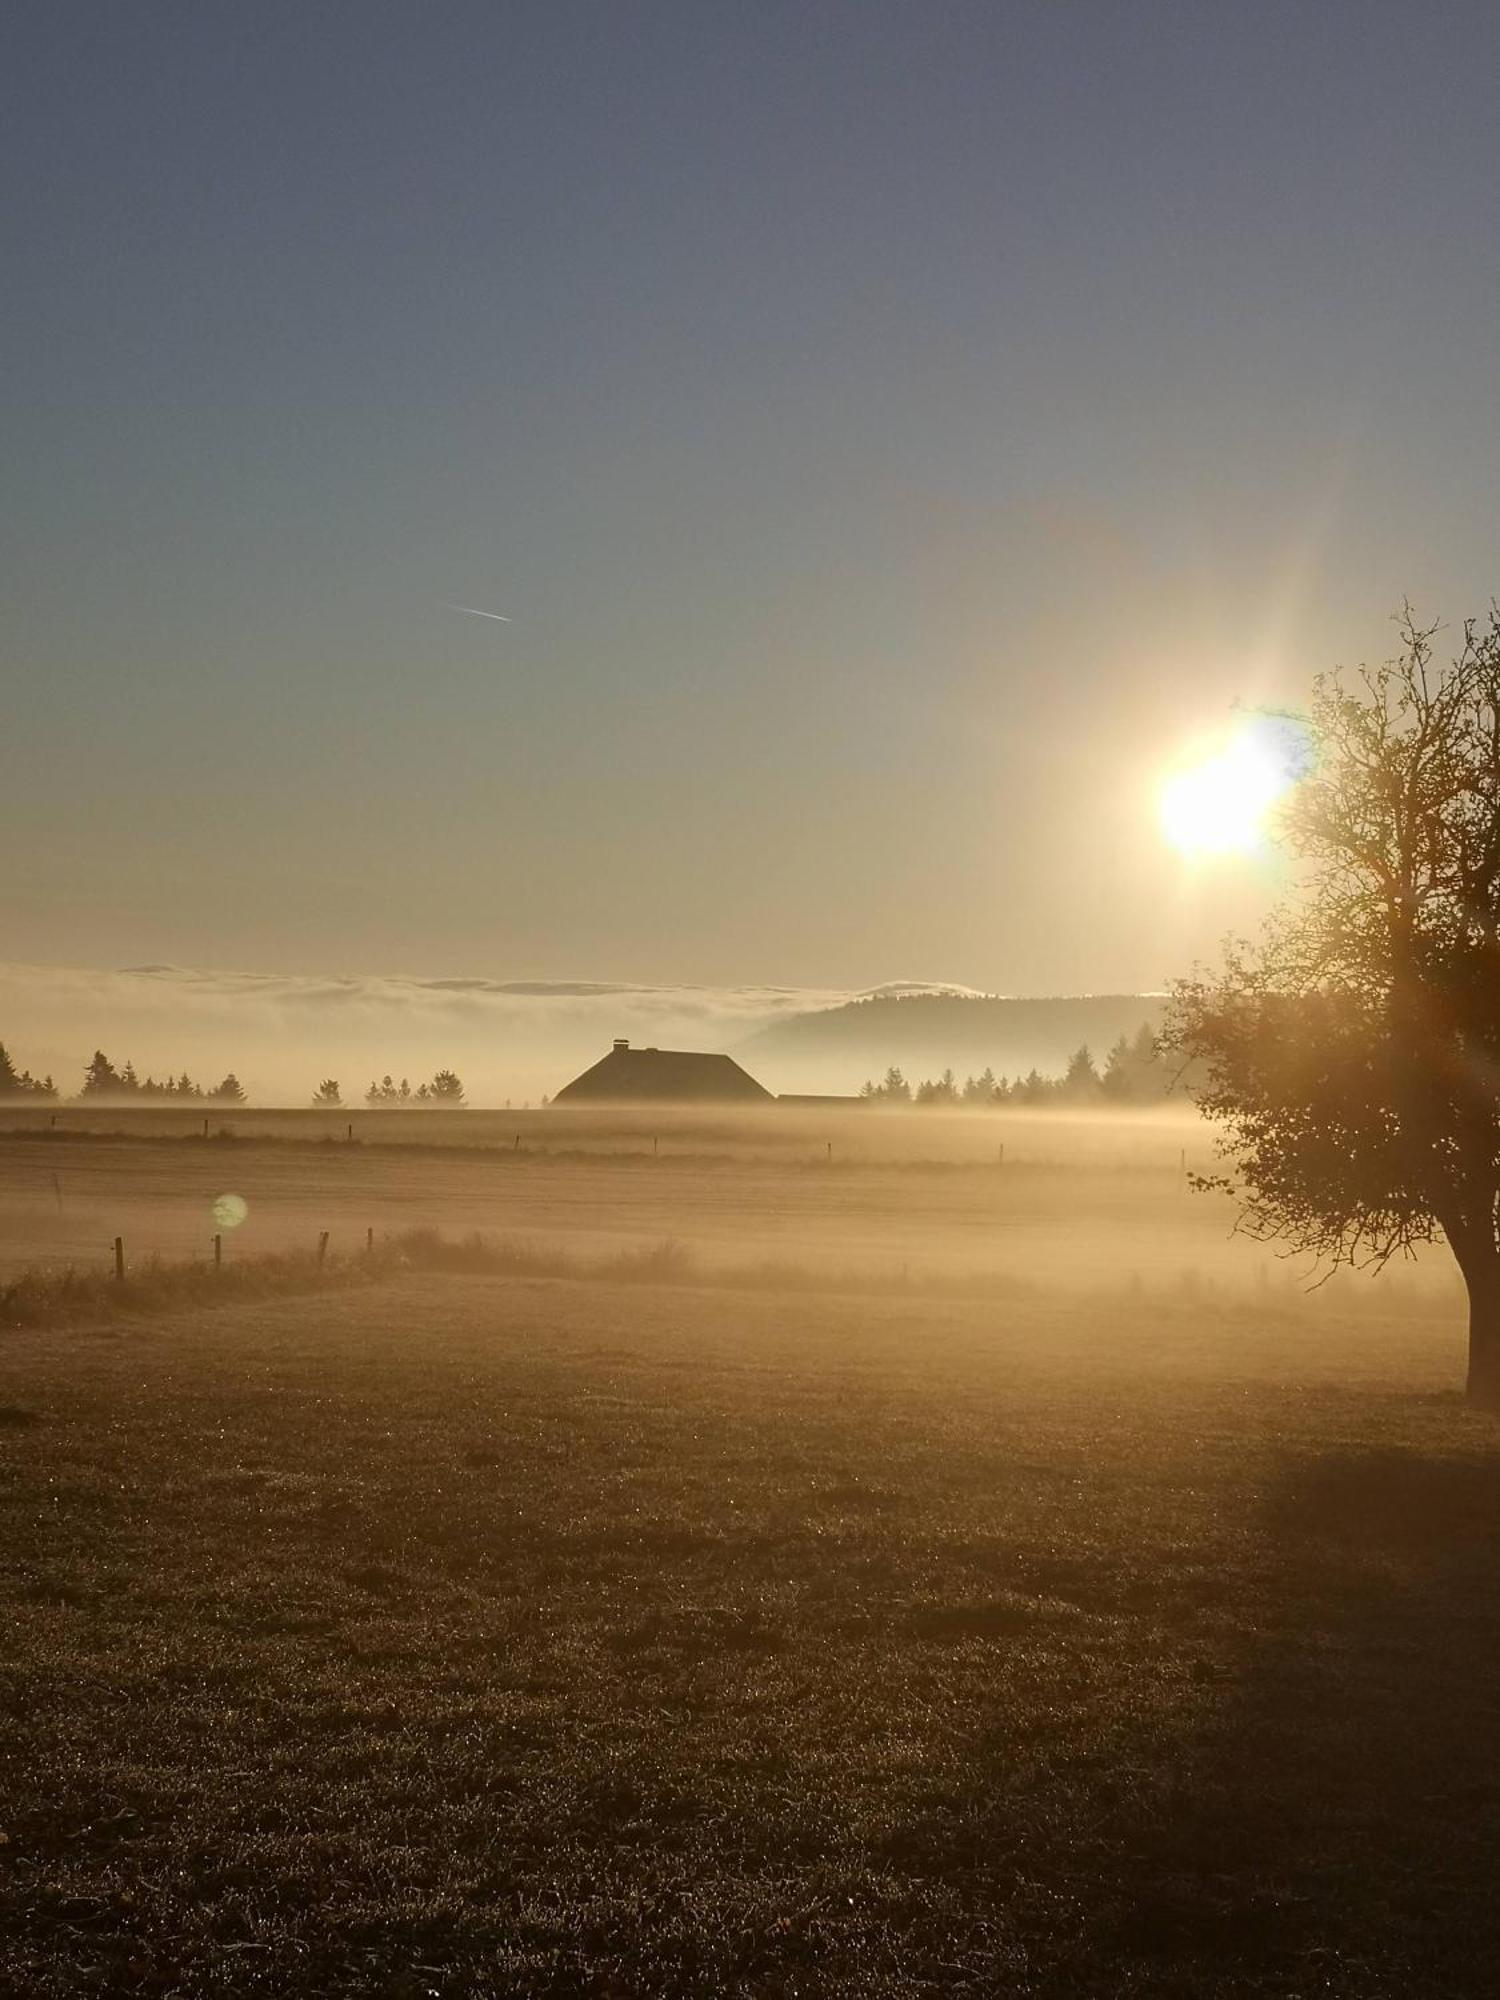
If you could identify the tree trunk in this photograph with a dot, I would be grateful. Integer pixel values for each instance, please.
(1482, 1276)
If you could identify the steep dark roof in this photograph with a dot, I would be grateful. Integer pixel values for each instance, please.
(662, 1076)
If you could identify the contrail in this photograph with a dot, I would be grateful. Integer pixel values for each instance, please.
(498, 616)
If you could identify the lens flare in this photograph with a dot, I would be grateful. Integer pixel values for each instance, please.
(230, 1210)
(1220, 804)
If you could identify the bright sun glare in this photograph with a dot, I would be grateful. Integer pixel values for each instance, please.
(1220, 804)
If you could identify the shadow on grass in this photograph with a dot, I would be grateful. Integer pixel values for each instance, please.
(1331, 1825)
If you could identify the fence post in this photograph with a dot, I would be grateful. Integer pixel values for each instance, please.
(218, 1251)
(370, 1241)
(830, 1152)
(119, 1259)
(205, 1128)
(351, 1131)
(322, 1246)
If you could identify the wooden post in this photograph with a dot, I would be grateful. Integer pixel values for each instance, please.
(830, 1152)
(1001, 1161)
(218, 1252)
(205, 1128)
(370, 1240)
(351, 1131)
(655, 1146)
(517, 1146)
(119, 1259)
(53, 1126)
(323, 1246)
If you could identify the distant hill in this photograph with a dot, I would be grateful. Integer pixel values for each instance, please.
(924, 1033)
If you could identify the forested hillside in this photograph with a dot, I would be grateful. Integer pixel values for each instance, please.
(837, 1048)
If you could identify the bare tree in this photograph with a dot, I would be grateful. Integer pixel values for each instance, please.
(1352, 1057)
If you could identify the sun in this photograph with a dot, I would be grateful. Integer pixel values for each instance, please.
(1220, 804)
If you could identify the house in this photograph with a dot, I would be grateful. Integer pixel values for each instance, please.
(663, 1076)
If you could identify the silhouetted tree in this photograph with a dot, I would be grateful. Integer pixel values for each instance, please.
(14, 1082)
(943, 1091)
(230, 1091)
(101, 1077)
(980, 1089)
(1352, 1056)
(447, 1091)
(1080, 1084)
(326, 1096)
(21, 1083)
(1031, 1089)
(1115, 1080)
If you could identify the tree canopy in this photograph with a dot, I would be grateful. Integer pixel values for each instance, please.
(1351, 1056)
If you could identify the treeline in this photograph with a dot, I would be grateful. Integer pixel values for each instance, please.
(20, 1082)
(1133, 1073)
(444, 1093)
(103, 1083)
(102, 1080)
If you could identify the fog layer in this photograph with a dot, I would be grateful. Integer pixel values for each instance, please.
(282, 1034)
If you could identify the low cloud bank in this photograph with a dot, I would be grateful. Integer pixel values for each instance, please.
(510, 1040)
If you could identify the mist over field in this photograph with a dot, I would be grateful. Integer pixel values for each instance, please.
(698, 1544)
(516, 1041)
(282, 1033)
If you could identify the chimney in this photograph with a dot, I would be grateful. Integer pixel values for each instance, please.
(621, 1043)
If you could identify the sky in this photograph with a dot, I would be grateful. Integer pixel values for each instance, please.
(893, 432)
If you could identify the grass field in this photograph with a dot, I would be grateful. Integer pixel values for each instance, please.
(469, 1635)
(877, 1199)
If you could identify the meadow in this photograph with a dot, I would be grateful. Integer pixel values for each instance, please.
(870, 1198)
(928, 1574)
